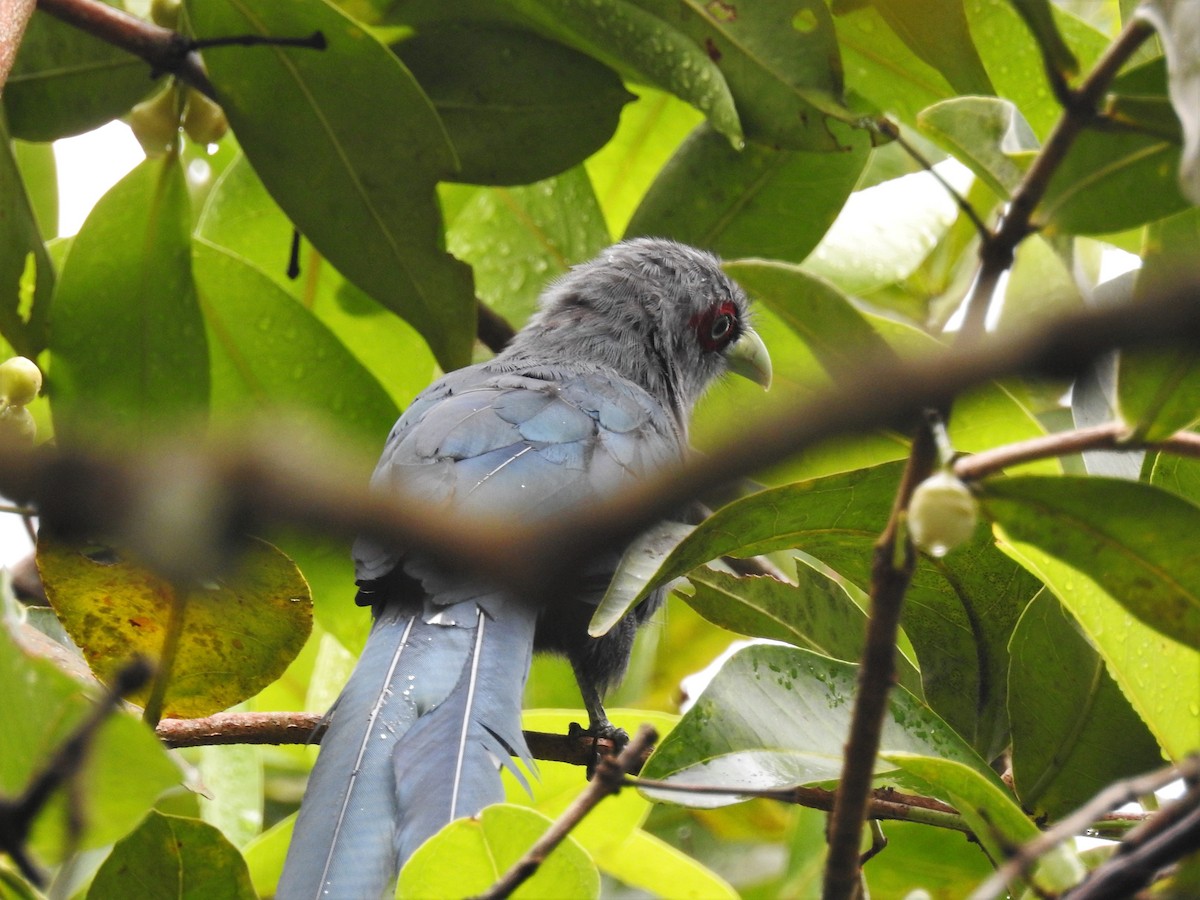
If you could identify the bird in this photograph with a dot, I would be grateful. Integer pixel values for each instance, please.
(592, 396)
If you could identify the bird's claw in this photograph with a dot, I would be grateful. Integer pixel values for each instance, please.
(602, 730)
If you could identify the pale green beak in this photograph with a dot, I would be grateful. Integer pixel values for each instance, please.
(749, 358)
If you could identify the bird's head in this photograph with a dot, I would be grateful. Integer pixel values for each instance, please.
(661, 313)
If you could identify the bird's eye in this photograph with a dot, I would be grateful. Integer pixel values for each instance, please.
(721, 326)
(717, 326)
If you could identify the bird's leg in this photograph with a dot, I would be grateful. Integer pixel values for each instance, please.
(599, 727)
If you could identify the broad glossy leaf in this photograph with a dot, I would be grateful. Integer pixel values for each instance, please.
(66, 81)
(484, 847)
(1131, 537)
(650, 131)
(519, 239)
(1065, 709)
(781, 60)
(1178, 26)
(881, 68)
(639, 562)
(992, 813)
(936, 31)
(233, 777)
(22, 253)
(758, 201)
(39, 171)
(778, 716)
(42, 707)
(238, 633)
(988, 134)
(822, 316)
(1013, 57)
(361, 188)
(270, 353)
(240, 216)
(1159, 391)
(518, 108)
(1040, 287)
(1159, 676)
(128, 345)
(654, 50)
(169, 856)
(1039, 16)
(960, 610)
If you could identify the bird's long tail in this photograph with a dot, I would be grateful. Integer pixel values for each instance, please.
(417, 738)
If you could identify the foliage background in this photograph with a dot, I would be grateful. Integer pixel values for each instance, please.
(435, 159)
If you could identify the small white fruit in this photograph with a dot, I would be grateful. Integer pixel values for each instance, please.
(20, 380)
(942, 514)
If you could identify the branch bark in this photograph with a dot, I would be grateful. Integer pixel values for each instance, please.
(14, 16)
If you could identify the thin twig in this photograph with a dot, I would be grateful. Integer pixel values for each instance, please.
(1117, 794)
(1109, 436)
(891, 570)
(610, 775)
(17, 816)
(165, 50)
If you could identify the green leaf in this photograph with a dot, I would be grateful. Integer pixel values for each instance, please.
(518, 239)
(936, 31)
(781, 60)
(361, 188)
(65, 81)
(755, 202)
(1159, 676)
(128, 344)
(240, 216)
(1133, 538)
(169, 856)
(518, 108)
(233, 778)
(1039, 17)
(881, 68)
(42, 707)
(632, 39)
(22, 325)
(484, 847)
(1065, 709)
(639, 562)
(960, 609)
(237, 635)
(776, 716)
(838, 335)
(1013, 57)
(1157, 390)
(1178, 26)
(651, 130)
(270, 353)
(991, 812)
(39, 172)
(1040, 287)
(988, 134)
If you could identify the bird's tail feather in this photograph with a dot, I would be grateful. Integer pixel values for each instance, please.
(431, 711)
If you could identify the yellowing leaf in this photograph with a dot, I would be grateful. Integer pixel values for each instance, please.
(237, 636)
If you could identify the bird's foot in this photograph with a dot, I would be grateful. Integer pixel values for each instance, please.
(601, 730)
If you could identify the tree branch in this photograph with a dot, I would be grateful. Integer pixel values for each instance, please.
(1117, 794)
(165, 50)
(14, 16)
(891, 571)
(609, 777)
(996, 251)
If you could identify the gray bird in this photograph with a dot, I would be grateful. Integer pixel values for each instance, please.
(593, 395)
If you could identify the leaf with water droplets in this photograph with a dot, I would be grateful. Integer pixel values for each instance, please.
(128, 342)
(1135, 539)
(777, 716)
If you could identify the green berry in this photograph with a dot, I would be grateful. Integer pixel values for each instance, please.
(20, 380)
(155, 122)
(942, 514)
(204, 121)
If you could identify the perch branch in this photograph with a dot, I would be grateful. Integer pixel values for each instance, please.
(14, 16)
